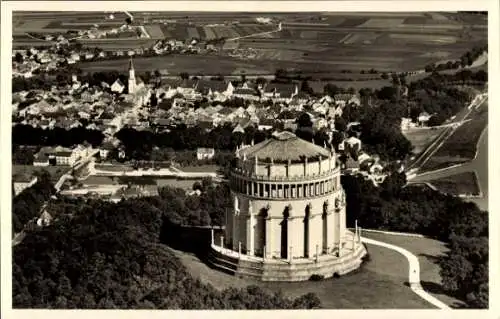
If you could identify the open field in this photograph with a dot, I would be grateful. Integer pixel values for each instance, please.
(461, 146)
(313, 42)
(428, 251)
(460, 184)
(379, 284)
(421, 137)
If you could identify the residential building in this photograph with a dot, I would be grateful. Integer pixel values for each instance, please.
(205, 153)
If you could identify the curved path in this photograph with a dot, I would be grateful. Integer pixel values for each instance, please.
(413, 271)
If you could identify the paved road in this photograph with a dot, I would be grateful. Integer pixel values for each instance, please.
(413, 271)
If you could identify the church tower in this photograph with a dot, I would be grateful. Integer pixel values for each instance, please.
(131, 78)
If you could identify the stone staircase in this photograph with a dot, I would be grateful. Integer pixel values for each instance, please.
(281, 270)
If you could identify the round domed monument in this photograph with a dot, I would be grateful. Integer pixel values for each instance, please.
(288, 222)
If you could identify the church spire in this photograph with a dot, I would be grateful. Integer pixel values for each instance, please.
(132, 84)
(131, 65)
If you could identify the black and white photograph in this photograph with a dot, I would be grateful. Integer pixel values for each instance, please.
(240, 159)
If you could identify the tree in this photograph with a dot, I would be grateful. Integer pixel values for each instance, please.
(304, 120)
(19, 57)
(306, 88)
(340, 124)
(331, 89)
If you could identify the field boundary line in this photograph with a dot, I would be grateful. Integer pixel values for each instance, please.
(485, 129)
(445, 134)
(441, 169)
(413, 272)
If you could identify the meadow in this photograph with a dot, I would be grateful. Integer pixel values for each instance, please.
(459, 184)
(420, 138)
(461, 146)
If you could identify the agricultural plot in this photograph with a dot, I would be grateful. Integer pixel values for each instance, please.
(465, 184)
(193, 33)
(209, 33)
(175, 64)
(382, 23)
(154, 31)
(417, 20)
(331, 42)
(421, 137)
(352, 22)
(461, 146)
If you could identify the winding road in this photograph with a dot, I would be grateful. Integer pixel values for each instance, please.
(413, 271)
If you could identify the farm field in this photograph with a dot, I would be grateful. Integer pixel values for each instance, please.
(461, 146)
(313, 42)
(421, 137)
(460, 184)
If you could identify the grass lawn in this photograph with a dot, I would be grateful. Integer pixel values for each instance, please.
(379, 284)
(114, 167)
(421, 137)
(201, 168)
(428, 251)
(461, 146)
(462, 183)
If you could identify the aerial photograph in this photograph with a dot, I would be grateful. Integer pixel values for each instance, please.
(249, 160)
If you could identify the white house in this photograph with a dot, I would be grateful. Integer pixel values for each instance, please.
(423, 118)
(205, 153)
(45, 219)
(117, 86)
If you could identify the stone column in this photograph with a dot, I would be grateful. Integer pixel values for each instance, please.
(250, 232)
(212, 234)
(326, 229)
(305, 166)
(269, 237)
(291, 232)
(236, 226)
(310, 243)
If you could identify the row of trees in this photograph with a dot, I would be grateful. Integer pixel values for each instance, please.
(109, 256)
(465, 60)
(29, 135)
(437, 97)
(392, 206)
